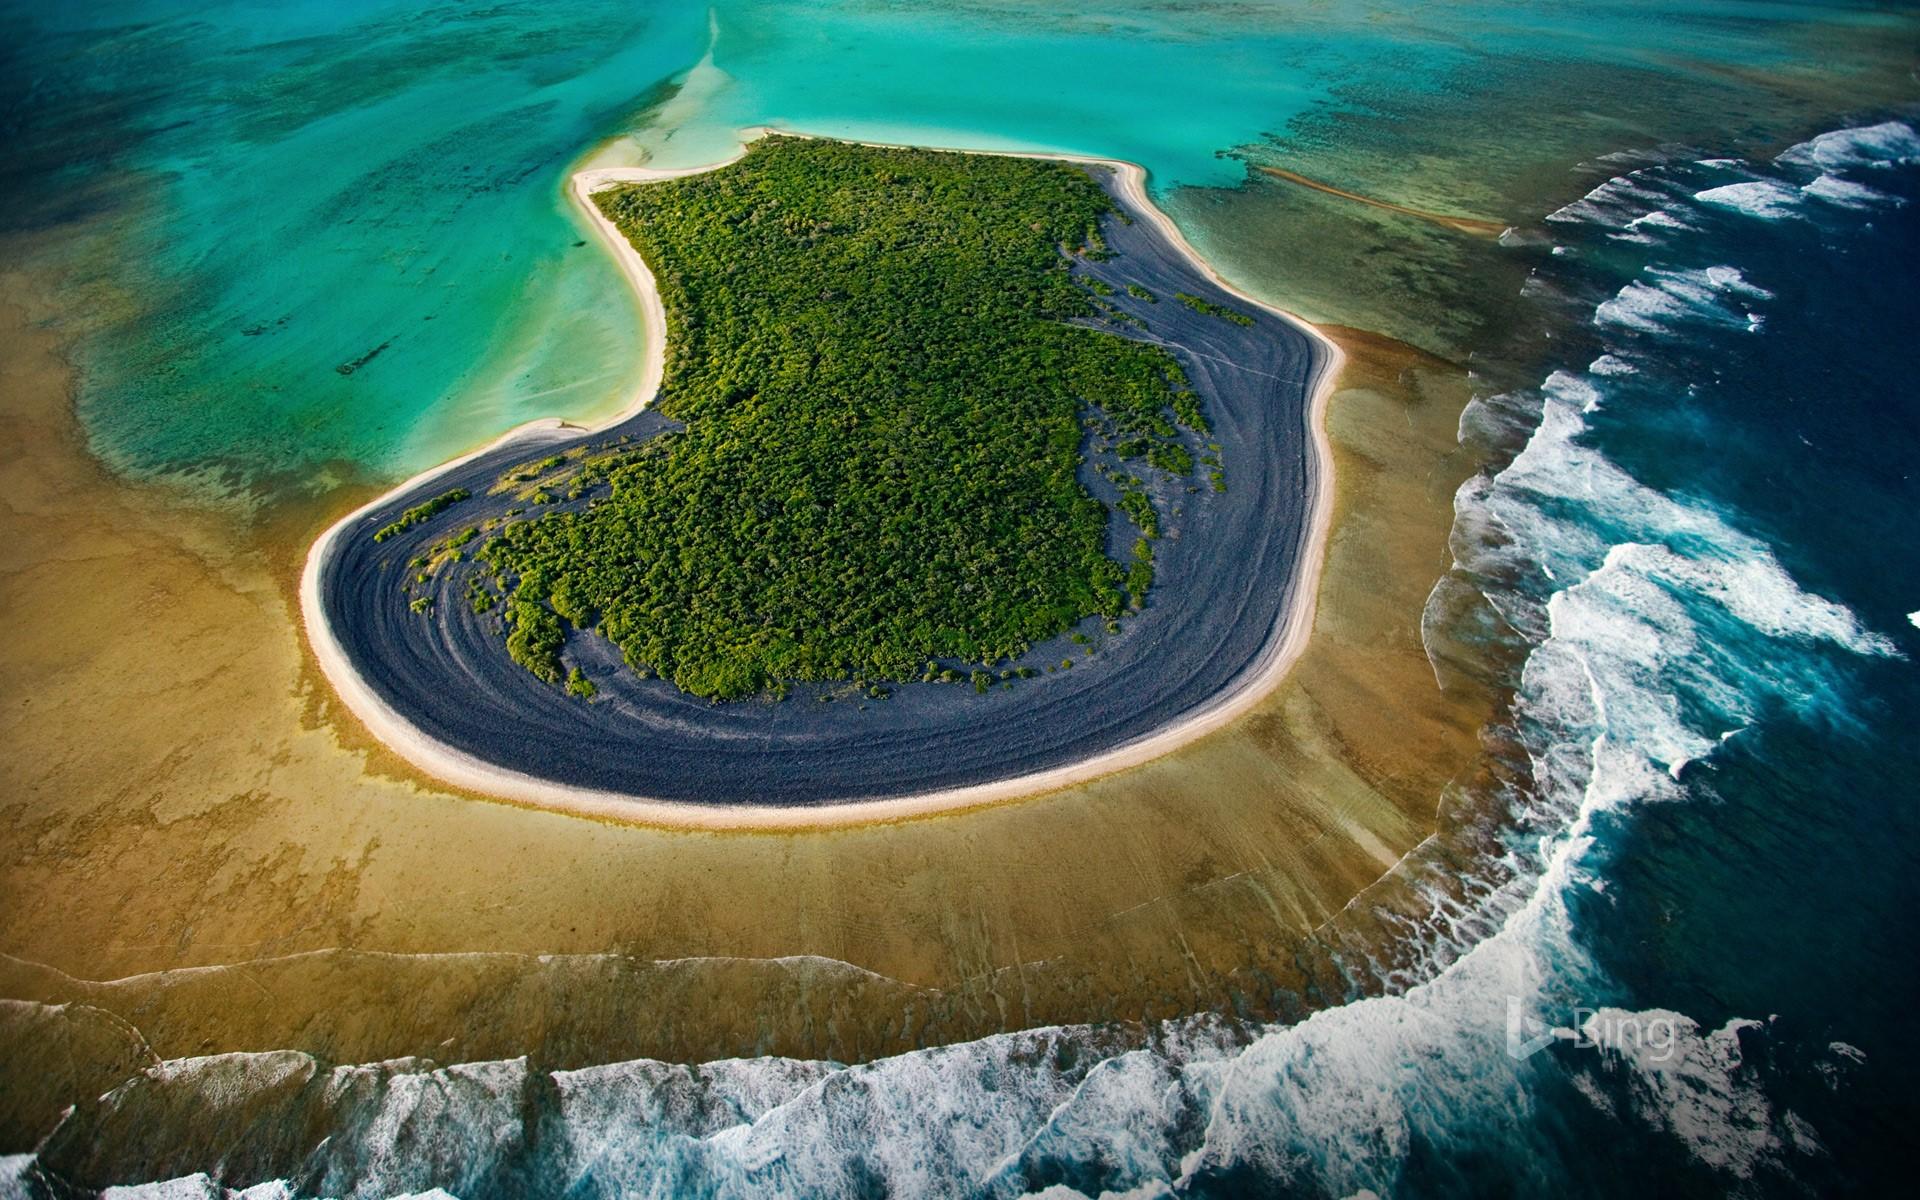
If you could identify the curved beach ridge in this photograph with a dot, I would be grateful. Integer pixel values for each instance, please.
(463, 770)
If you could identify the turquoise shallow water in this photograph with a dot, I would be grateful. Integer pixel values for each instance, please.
(280, 191)
(293, 189)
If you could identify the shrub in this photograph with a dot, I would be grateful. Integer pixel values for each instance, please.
(419, 514)
(1208, 307)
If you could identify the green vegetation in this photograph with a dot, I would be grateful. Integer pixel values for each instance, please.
(579, 685)
(420, 514)
(1211, 309)
(1187, 410)
(536, 639)
(883, 400)
(1170, 457)
(1140, 293)
(479, 598)
(528, 471)
(1140, 573)
(1139, 510)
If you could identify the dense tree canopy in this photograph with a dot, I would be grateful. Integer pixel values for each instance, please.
(886, 369)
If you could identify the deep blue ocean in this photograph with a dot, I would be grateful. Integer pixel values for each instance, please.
(1705, 538)
(1685, 968)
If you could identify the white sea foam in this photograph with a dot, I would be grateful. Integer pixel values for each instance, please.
(384, 1113)
(1691, 1083)
(1330, 1105)
(696, 1100)
(1848, 194)
(1757, 198)
(224, 1080)
(1121, 1124)
(1866, 146)
(1644, 229)
(1665, 298)
(1645, 307)
(1731, 280)
(1619, 526)
(188, 1187)
(13, 1175)
(1659, 218)
(1751, 584)
(200, 1186)
(1614, 203)
(1490, 422)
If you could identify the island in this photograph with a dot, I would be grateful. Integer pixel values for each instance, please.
(954, 475)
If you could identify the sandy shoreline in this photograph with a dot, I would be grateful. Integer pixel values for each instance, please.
(1283, 648)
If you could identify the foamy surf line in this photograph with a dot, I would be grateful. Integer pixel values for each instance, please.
(467, 771)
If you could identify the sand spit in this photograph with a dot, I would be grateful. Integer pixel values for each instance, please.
(1472, 225)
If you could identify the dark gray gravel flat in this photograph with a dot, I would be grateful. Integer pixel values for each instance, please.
(1225, 571)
